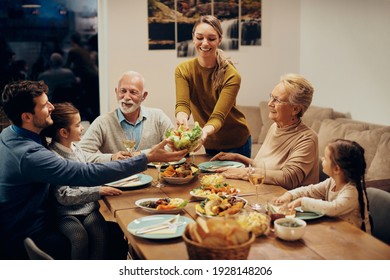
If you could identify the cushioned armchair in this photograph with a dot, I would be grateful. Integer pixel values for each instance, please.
(379, 202)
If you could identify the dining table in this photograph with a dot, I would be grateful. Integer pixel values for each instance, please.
(325, 238)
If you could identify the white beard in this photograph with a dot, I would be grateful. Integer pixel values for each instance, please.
(128, 110)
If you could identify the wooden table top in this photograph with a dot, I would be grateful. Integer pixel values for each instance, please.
(325, 238)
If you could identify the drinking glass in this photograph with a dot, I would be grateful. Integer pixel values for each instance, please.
(256, 176)
(129, 142)
(158, 183)
(192, 155)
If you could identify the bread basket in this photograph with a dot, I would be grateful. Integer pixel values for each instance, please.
(197, 251)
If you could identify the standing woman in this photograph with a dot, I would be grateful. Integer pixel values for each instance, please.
(207, 86)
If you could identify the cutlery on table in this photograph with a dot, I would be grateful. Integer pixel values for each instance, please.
(215, 167)
(131, 179)
(167, 224)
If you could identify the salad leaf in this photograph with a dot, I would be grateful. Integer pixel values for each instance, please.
(185, 138)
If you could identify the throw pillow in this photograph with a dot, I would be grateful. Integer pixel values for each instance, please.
(316, 113)
(380, 165)
(369, 140)
(334, 129)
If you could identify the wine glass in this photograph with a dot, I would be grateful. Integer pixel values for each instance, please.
(129, 142)
(158, 183)
(256, 176)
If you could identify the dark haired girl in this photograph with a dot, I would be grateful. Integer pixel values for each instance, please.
(344, 193)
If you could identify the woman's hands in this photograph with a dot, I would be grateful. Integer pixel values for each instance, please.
(234, 173)
(206, 131)
(233, 157)
(224, 156)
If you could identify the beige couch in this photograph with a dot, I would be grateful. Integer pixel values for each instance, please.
(329, 125)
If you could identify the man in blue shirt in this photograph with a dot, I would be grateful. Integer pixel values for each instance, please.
(27, 168)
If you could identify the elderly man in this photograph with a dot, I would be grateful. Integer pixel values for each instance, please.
(107, 132)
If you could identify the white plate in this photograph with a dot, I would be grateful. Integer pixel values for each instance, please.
(155, 211)
(143, 180)
(179, 180)
(208, 216)
(183, 160)
(211, 166)
(157, 219)
(199, 197)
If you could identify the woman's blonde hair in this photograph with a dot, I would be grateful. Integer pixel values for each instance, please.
(300, 91)
(222, 61)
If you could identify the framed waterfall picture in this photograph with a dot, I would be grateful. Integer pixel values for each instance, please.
(250, 22)
(171, 22)
(227, 11)
(161, 24)
(187, 14)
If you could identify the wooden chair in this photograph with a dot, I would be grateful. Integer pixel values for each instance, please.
(35, 253)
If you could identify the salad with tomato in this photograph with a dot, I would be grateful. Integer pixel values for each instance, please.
(185, 138)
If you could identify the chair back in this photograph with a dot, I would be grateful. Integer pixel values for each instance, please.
(34, 253)
(379, 201)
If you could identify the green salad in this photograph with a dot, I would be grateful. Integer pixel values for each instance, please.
(185, 138)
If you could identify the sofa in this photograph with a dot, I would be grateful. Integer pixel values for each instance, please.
(330, 124)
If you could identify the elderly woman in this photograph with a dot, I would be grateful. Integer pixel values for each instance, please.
(290, 149)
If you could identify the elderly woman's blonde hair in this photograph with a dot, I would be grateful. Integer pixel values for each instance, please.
(300, 91)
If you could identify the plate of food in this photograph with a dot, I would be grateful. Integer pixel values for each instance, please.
(162, 205)
(221, 190)
(133, 181)
(183, 160)
(217, 206)
(212, 166)
(178, 225)
(180, 175)
(185, 138)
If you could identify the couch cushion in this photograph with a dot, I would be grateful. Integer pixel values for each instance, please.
(316, 125)
(368, 139)
(266, 121)
(316, 113)
(380, 165)
(334, 129)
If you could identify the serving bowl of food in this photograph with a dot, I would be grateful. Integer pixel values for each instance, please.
(180, 174)
(289, 229)
(185, 138)
(217, 239)
(255, 222)
(220, 206)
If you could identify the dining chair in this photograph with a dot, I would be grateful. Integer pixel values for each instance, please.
(35, 253)
(379, 202)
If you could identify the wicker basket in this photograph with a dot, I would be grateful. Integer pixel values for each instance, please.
(197, 251)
